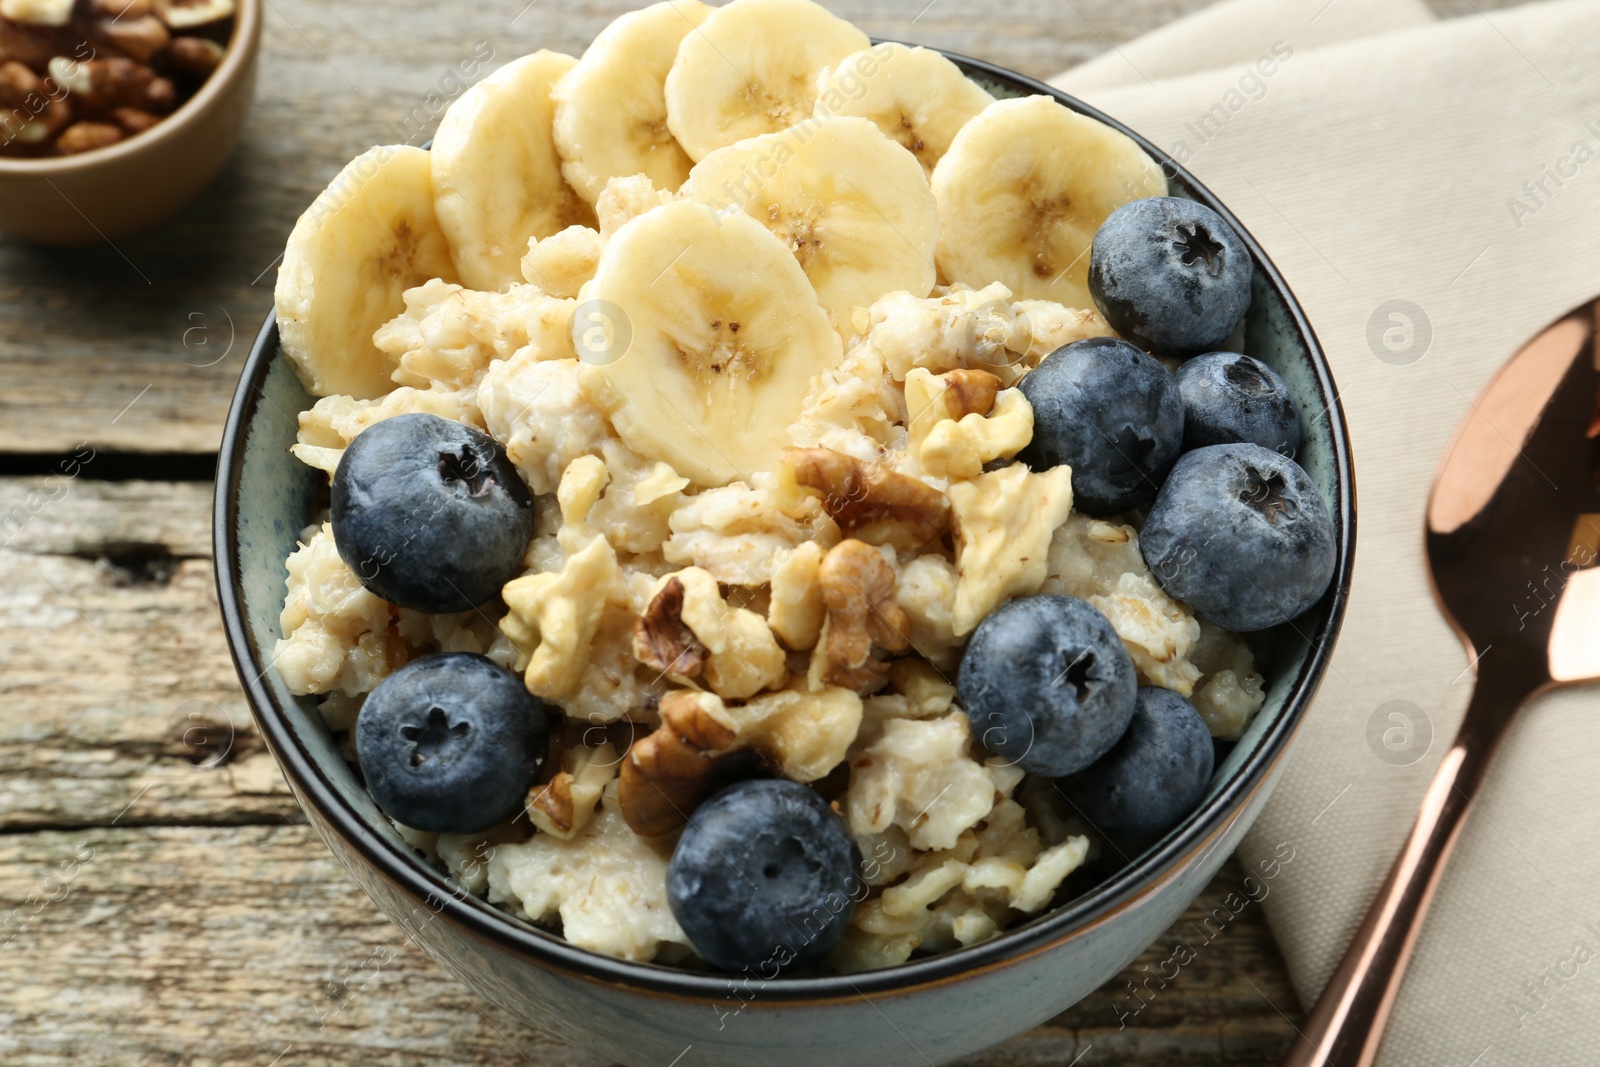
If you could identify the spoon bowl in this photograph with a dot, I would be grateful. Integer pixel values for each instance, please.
(1513, 536)
(1520, 475)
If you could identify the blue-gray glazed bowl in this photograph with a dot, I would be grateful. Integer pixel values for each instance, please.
(924, 1012)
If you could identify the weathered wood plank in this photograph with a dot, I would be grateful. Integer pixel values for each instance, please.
(238, 945)
(113, 641)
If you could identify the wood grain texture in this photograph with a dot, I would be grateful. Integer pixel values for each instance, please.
(246, 946)
(113, 645)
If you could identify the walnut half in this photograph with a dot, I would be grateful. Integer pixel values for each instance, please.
(858, 587)
(665, 776)
(868, 500)
(689, 631)
(931, 398)
(662, 641)
(800, 733)
(563, 805)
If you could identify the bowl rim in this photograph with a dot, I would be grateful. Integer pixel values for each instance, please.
(241, 50)
(474, 916)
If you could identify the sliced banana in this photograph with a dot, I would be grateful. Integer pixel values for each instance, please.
(752, 68)
(916, 96)
(611, 109)
(369, 237)
(853, 206)
(715, 335)
(1023, 189)
(497, 175)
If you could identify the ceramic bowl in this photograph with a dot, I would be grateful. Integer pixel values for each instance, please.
(924, 1012)
(134, 184)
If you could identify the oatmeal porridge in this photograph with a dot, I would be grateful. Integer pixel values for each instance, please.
(739, 430)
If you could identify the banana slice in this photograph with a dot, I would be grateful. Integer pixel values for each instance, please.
(917, 97)
(611, 109)
(752, 68)
(369, 237)
(853, 206)
(496, 173)
(717, 339)
(1023, 189)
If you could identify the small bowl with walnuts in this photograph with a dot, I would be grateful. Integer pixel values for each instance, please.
(114, 114)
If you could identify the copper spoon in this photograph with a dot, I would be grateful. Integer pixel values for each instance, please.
(1513, 533)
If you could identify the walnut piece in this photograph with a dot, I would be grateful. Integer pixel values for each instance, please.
(960, 420)
(133, 120)
(931, 398)
(86, 136)
(552, 807)
(563, 805)
(139, 38)
(194, 56)
(1004, 523)
(663, 641)
(36, 111)
(187, 14)
(753, 660)
(858, 587)
(796, 609)
(37, 12)
(582, 482)
(665, 776)
(733, 648)
(869, 501)
(16, 82)
(104, 84)
(799, 733)
(554, 617)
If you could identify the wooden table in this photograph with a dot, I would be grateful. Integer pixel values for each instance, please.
(157, 912)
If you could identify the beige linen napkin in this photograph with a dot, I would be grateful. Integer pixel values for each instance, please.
(1431, 192)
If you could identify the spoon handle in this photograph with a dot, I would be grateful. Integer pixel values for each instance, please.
(1346, 1026)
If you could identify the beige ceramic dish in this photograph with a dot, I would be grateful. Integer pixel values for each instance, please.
(132, 185)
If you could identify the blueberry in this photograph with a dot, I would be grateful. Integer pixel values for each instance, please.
(1228, 398)
(450, 743)
(1112, 414)
(1047, 684)
(1241, 535)
(1171, 275)
(764, 878)
(1156, 774)
(430, 513)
